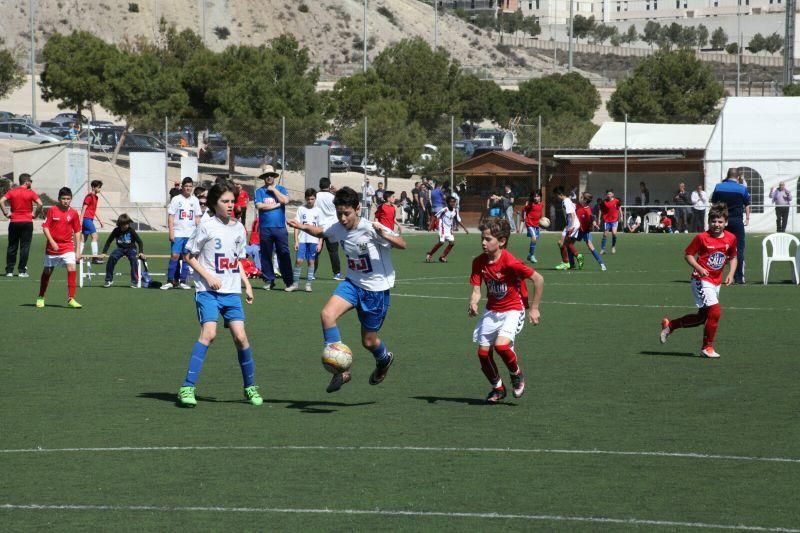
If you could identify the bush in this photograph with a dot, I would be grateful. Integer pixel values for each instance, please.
(386, 12)
(222, 32)
(302, 8)
(133, 7)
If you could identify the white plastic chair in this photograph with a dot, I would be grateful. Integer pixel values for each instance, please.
(651, 220)
(781, 244)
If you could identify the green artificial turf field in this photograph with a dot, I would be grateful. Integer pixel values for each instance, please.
(615, 432)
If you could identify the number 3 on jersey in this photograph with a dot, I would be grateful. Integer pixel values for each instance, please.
(360, 264)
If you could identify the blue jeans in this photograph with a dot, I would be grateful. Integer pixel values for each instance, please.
(116, 255)
(276, 239)
(737, 228)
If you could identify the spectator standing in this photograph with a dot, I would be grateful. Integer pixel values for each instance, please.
(271, 200)
(644, 194)
(682, 201)
(328, 218)
(415, 204)
(437, 198)
(379, 195)
(494, 205)
(367, 193)
(781, 197)
(240, 206)
(20, 226)
(699, 204)
(735, 196)
(425, 206)
(405, 206)
(508, 204)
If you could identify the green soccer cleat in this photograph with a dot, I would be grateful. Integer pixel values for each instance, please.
(562, 266)
(39, 302)
(186, 397)
(72, 304)
(579, 258)
(251, 395)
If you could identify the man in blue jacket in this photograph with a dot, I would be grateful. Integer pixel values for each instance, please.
(271, 200)
(733, 194)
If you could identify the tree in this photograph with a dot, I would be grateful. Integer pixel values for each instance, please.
(651, 32)
(582, 26)
(757, 43)
(668, 87)
(554, 95)
(563, 131)
(688, 37)
(530, 26)
(732, 48)
(352, 94)
(773, 43)
(791, 90)
(719, 39)
(630, 36)
(615, 40)
(674, 34)
(12, 76)
(702, 36)
(600, 33)
(74, 71)
(475, 99)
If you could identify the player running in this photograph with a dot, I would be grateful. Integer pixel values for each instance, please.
(88, 217)
(370, 275)
(532, 213)
(62, 227)
(449, 220)
(504, 317)
(569, 234)
(586, 219)
(609, 210)
(213, 252)
(707, 254)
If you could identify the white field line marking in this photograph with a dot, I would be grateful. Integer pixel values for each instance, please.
(683, 455)
(389, 512)
(599, 304)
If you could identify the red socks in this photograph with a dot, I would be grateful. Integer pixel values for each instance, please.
(690, 321)
(707, 315)
(488, 366)
(447, 250)
(435, 247)
(72, 283)
(44, 282)
(509, 357)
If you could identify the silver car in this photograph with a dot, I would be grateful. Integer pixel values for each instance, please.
(25, 132)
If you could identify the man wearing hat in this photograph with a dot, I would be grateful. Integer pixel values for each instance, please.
(20, 227)
(271, 200)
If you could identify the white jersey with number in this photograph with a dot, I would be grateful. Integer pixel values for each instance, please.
(447, 220)
(184, 210)
(326, 208)
(311, 216)
(369, 256)
(218, 248)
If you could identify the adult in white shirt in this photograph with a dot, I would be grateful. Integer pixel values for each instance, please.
(328, 218)
(699, 205)
(367, 193)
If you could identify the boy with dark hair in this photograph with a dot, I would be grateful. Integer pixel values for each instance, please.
(505, 277)
(306, 246)
(586, 220)
(532, 212)
(609, 209)
(182, 220)
(62, 229)
(449, 220)
(570, 232)
(88, 217)
(370, 276)
(129, 245)
(386, 212)
(707, 254)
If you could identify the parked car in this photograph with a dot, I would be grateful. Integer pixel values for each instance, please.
(357, 163)
(330, 143)
(464, 146)
(71, 118)
(428, 150)
(340, 159)
(26, 132)
(5, 115)
(102, 124)
(107, 138)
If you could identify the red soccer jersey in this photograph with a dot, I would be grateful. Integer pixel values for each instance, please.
(713, 253)
(255, 236)
(585, 217)
(533, 212)
(241, 200)
(504, 281)
(610, 210)
(385, 214)
(62, 226)
(667, 222)
(21, 200)
(90, 205)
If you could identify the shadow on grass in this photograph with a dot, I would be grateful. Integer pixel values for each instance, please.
(673, 354)
(51, 306)
(172, 398)
(316, 407)
(466, 401)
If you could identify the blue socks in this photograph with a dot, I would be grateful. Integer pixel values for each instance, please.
(332, 335)
(184, 271)
(195, 363)
(173, 266)
(381, 355)
(597, 256)
(248, 367)
(603, 243)
(532, 249)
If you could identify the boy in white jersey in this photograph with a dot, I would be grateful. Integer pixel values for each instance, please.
(370, 275)
(448, 220)
(184, 216)
(213, 252)
(306, 246)
(570, 232)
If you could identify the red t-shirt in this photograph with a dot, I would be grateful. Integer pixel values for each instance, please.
(385, 214)
(21, 200)
(241, 200)
(610, 210)
(504, 281)
(585, 217)
(62, 226)
(667, 222)
(255, 236)
(713, 253)
(533, 212)
(90, 205)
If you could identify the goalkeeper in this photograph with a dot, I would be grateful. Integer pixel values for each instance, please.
(129, 245)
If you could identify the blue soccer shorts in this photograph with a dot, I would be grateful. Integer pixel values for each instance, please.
(87, 228)
(211, 304)
(371, 306)
(610, 226)
(585, 236)
(179, 245)
(533, 231)
(307, 251)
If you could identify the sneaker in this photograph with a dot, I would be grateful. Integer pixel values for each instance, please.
(602, 251)
(579, 258)
(665, 330)
(338, 277)
(277, 273)
(518, 384)
(167, 286)
(39, 302)
(291, 288)
(308, 287)
(184, 286)
(709, 352)
(24, 275)
(613, 249)
(496, 395)
(251, 395)
(562, 266)
(73, 304)
(270, 286)
(186, 397)
(134, 285)
(97, 261)
(9, 274)
(337, 381)
(443, 260)
(428, 258)
(380, 372)
(107, 284)
(603, 267)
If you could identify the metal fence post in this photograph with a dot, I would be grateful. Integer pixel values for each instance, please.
(283, 146)
(539, 156)
(625, 165)
(452, 150)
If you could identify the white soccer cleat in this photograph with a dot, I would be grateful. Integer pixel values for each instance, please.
(291, 288)
(709, 352)
(603, 267)
(308, 287)
(185, 287)
(167, 286)
(665, 330)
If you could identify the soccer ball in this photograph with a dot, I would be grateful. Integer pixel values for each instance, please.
(544, 222)
(337, 357)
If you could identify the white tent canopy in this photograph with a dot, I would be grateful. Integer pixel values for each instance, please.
(643, 136)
